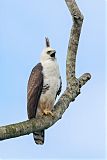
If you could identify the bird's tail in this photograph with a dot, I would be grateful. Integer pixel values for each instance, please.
(39, 137)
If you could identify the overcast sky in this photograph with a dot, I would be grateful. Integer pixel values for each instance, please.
(23, 25)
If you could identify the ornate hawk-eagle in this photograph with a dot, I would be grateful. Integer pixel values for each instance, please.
(43, 87)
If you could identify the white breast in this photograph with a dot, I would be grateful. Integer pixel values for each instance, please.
(51, 77)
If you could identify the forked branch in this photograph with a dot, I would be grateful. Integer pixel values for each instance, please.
(72, 90)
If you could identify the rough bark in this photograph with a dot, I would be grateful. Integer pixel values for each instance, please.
(72, 90)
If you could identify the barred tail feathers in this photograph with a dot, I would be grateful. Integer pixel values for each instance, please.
(39, 137)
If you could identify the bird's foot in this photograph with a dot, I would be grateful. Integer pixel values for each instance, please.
(47, 112)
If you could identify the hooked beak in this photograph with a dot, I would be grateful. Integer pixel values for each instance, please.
(53, 54)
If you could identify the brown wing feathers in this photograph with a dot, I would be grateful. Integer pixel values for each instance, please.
(34, 89)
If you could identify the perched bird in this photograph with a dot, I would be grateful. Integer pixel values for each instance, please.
(44, 85)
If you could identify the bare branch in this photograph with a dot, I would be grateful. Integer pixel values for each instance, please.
(74, 39)
(72, 89)
(29, 126)
(84, 78)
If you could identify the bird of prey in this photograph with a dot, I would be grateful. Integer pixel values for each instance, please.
(44, 85)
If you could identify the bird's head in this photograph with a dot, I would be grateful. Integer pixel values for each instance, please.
(48, 53)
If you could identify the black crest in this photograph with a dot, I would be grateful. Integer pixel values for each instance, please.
(47, 42)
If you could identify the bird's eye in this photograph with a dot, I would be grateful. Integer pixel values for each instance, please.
(48, 52)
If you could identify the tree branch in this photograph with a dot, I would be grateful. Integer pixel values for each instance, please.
(72, 89)
(74, 39)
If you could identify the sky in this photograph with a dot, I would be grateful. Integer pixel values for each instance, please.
(80, 134)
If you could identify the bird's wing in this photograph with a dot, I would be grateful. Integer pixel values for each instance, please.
(60, 87)
(34, 89)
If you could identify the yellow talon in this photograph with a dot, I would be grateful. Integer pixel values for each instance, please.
(46, 112)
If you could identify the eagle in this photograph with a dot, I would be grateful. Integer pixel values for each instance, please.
(44, 85)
